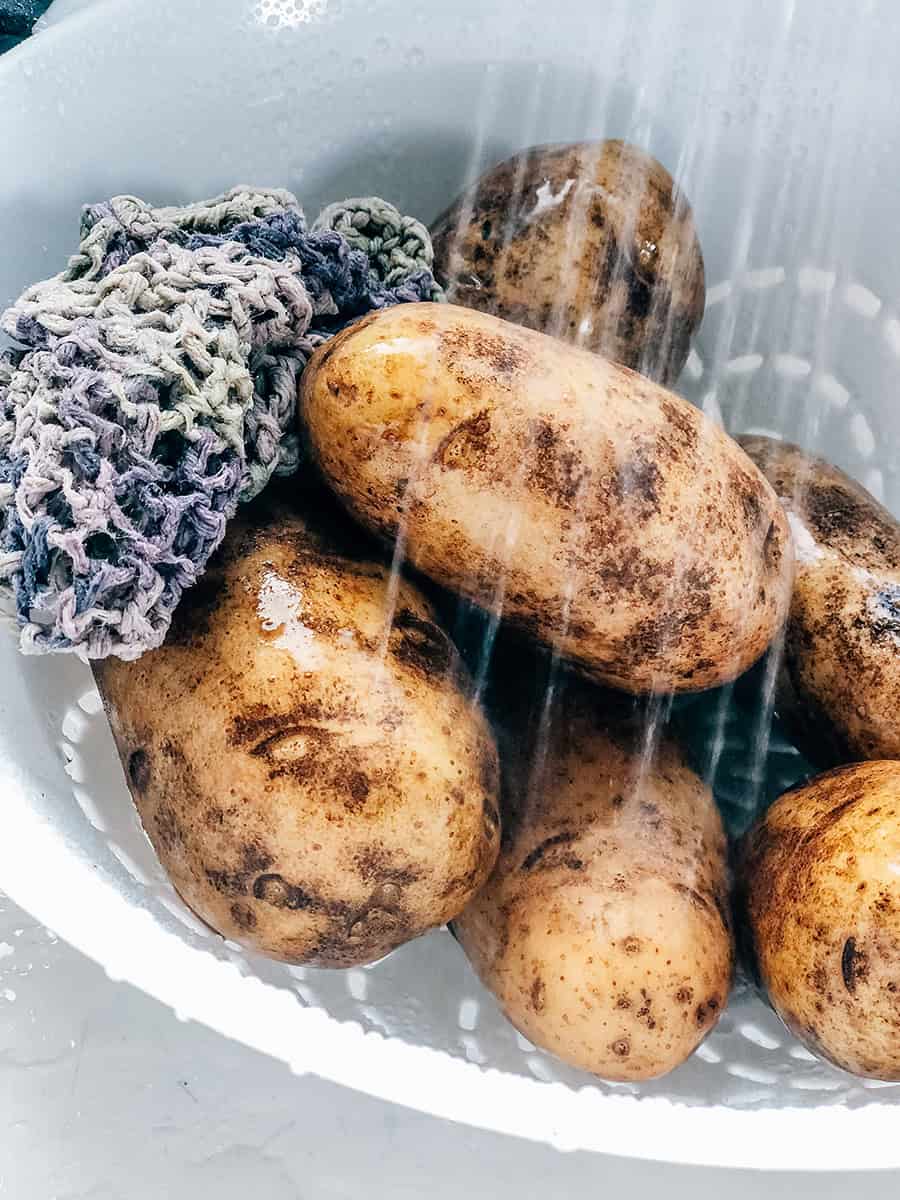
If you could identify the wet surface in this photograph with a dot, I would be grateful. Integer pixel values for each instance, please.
(104, 1094)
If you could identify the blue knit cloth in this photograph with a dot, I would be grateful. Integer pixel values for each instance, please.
(155, 387)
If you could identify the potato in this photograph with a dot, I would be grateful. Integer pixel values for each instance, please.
(819, 893)
(839, 686)
(604, 930)
(303, 753)
(591, 242)
(605, 516)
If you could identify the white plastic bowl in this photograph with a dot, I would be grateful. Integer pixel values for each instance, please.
(779, 117)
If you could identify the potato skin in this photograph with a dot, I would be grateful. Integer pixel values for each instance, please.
(309, 798)
(609, 518)
(839, 684)
(591, 242)
(604, 930)
(819, 896)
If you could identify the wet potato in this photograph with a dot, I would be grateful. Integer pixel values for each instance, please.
(591, 242)
(604, 930)
(839, 685)
(604, 515)
(313, 793)
(819, 896)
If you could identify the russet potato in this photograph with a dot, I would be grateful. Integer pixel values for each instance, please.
(604, 930)
(601, 514)
(839, 682)
(303, 750)
(819, 899)
(591, 242)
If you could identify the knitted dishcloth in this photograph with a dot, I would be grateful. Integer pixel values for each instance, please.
(157, 388)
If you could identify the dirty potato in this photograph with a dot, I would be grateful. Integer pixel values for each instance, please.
(839, 685)
(604, 515)
(302, 752)
(604, 930)
(591, 242)
(819, 895)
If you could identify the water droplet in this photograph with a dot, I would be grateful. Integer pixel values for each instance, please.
(382, 45)
(415, 56)
(358, 66)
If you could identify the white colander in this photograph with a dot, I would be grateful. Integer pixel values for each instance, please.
(780, 117)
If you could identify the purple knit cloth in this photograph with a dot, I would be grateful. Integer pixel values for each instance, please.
(154, 387)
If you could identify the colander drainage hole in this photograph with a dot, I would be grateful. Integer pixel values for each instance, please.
(891, 330)
(766, 277)
(863, 437)
(814, 1083)
(775, 435)
(472, 1048)
(744, 364)
(357, 984)
(694, 365)
(752, 1074)
(815, 280)
(468, 1013)
(713, 410)
(759, 1037)
(860, 300)
(718, 293)
(75, 724)
(791, 366)
(540, 1069)
(833, 390)
(91, 703)
(745, 1096)
(874, 481)
(801, 1054)
(74, 767)
(708, 1053)
(375, 1019)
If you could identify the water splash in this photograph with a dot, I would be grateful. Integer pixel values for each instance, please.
(279, 606)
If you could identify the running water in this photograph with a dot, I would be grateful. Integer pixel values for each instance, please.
(797, 227)
(772, 177)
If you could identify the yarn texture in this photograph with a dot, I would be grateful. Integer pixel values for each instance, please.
(154, 387)
(396, 246)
